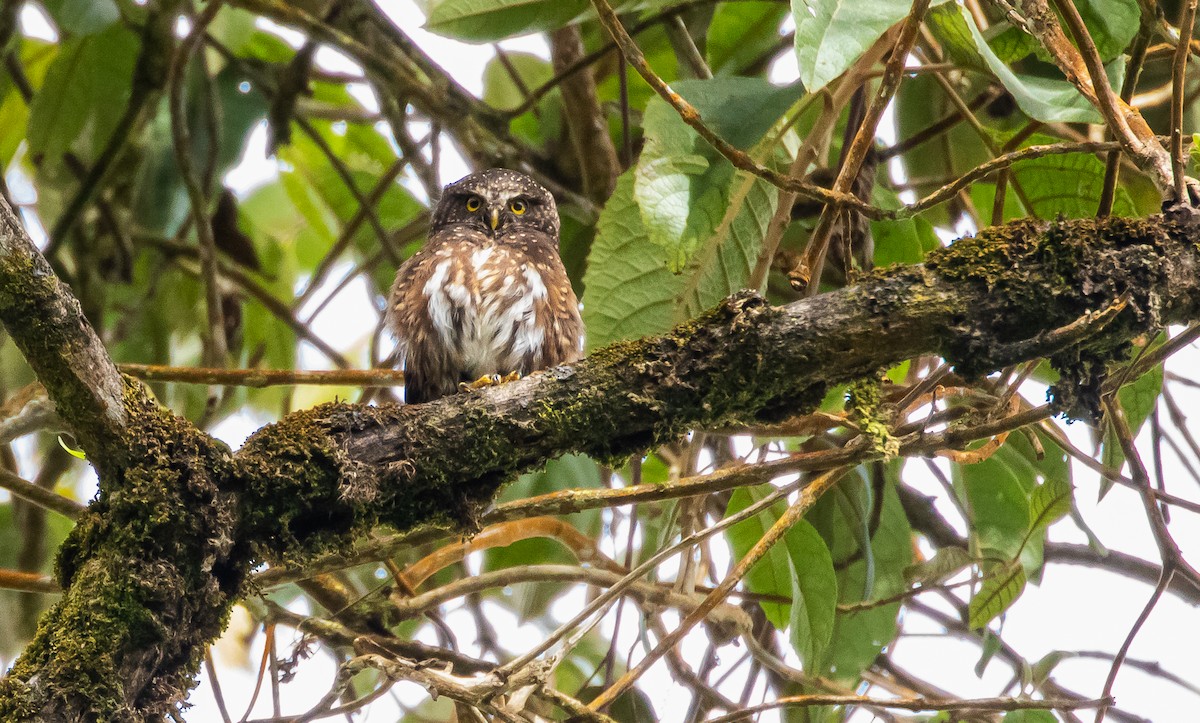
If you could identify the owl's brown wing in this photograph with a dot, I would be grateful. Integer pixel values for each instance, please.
(556, 311)
(430, 369)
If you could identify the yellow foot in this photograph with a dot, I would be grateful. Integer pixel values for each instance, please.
(488, 380)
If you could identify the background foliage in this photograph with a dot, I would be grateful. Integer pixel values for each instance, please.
(120, 146)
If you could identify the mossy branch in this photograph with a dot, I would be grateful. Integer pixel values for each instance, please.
(47, 324)
(158, 560)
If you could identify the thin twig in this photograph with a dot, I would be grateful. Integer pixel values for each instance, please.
(44, 498)
(259, 378)
(968, 705)
(1163, 581)
(808, 497)
(1187, 22)
(215, 350)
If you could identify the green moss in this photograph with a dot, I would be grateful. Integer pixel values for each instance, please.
(1063, 270)
(863, 403)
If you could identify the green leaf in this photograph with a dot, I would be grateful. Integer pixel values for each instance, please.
(76, 18)
(487, 20)
(920, 103)
(1048, 503)
(683, 186)
(542, 125)
(528, 600)
(1051, 100)
(630, 290)
(567, 472)
(1111, 23)
(832, 34)
(799, 567)
(995, 493)
(740, 110)
(671, 179)
(1029, 716)
(814, 594)
(36, 57)
(740, 33)
(1138, 399)
(86, 89)
(903, 241)
(771, 575)
(1040, 671)
(1066, 185)
(859, 636)
(946, 563)
(996, 594)
(500, 89)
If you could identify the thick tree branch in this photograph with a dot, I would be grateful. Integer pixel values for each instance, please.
(49, 328)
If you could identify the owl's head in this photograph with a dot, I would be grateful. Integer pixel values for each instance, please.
(497, 201)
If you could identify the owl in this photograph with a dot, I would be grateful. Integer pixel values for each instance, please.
(487, 296)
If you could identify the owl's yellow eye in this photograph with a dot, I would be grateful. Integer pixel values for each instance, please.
(518, 207)
(473, 204)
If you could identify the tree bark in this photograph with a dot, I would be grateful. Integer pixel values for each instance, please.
(152, 570)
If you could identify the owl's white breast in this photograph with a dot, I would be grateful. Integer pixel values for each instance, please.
(482, 305)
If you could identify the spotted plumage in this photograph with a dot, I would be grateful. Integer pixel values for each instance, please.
(487, 294)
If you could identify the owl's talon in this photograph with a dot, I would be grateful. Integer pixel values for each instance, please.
(488, 380)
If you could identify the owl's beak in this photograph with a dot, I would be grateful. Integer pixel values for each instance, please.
(495, 218)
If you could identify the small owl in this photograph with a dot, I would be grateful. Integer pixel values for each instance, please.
(487, 295)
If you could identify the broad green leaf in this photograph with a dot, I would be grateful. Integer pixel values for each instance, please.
(323, 197)
(488, 20)
(921, 102)
(859, 636)
(1051, 100)
(500, 89)
(674, 182)
(1029, 716)
(723, 263)
(856, 498)
(995, 493)
(740, 110)
(832, 34)
(1048, 503)
(903, 241)
(84, 94)
(683, 187)
(36, 57)
(629, 291)
(528, 600)
(1066, 185)
(799, 568)
(771, 575)
(996, 594)
(160, 200)
(76, 18)
(948, 562)
(567, 472)
(541, 126)
(741, 33)
(1138, 399)
(1111, 23)
(814, 594)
